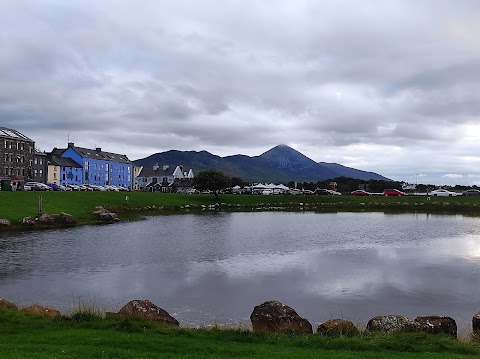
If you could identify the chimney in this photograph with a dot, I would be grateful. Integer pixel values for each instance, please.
(155, 166)
(165, 167)
(98, 149)
(71, 144)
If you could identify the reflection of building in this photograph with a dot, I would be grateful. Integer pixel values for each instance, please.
(163, 178)
(16, 155)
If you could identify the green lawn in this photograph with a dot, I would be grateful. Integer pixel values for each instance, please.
(16, 205)
(26, 336)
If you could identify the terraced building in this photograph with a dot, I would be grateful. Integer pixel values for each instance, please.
(16, 155)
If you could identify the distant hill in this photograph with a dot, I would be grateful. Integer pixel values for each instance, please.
(279, 164)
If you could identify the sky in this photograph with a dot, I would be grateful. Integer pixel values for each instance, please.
(386, 86)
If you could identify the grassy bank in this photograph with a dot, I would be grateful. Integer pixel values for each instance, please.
(83, 335)
(16, 205)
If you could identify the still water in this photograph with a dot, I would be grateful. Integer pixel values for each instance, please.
(215, 267)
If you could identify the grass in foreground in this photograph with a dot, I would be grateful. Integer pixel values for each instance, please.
(16, 205)
(89, 336)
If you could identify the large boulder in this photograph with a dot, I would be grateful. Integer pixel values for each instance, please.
(66, 218)
(275, 317)
(391, 324)
(147, 310)
(437, 325)
(337, 327)
(39, 310)
(476, 324)
(4, 223)
(7, 304)
(104, 215)
(46, 218)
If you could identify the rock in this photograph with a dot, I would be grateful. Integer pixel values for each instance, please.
(437, 325)
(27, 221)
(391, 323)
(4, 223)
(104, 215)
(66, 218)
(147, 310)
(476, 324)
(6, 304)
(46, 218)
(275, 317)
(338, 327)
(39, 310)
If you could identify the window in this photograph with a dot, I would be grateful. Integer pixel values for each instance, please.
(54, 175)
(41, 172)
(36, 161)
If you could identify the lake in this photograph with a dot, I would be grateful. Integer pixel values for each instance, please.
(215, 267)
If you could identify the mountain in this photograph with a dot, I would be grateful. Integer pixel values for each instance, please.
(279, 164)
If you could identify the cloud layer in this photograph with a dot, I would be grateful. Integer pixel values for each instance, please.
(384, 86)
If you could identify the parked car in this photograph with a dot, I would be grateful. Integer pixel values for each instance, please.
(361, 192)
(335, 193)
(443, 192)
(393, 192)
(321, 192)
(267, 192)
(295, 191)
(36, 186)
(471, 192)
(307, 192)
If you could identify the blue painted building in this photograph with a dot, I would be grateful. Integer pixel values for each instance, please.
(99, 167)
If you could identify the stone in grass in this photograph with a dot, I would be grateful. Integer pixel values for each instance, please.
(437, 325)
(27, 221)
(7, 304)
(338, 327)
(273, 316)
(147, 310)
(39, 310)
(391, 324)
(476, 324)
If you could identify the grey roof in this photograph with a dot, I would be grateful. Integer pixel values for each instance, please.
(62, 161)
(159, 172)
(100, 155)
(13, 134)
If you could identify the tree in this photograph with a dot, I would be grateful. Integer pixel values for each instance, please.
(211, 180)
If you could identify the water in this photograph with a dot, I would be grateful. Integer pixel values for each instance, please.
(214, 268)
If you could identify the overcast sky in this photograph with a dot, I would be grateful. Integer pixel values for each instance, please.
(386, 86)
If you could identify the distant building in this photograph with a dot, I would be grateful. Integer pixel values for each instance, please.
(164, 178)
(100, 167)
(16, 155)
(40, 168)
(63, 170)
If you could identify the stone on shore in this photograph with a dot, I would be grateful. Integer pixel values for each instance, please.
(435, 324)
(338, 327)
(273, 316)
(4, 223)
(7, 304)
(149, 311)
(476, 324)
(391, 324)
(27, 221)
(46, 218)
(104, 215)
(39, 310)
(66, 218)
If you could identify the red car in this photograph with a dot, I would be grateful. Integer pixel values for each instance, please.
(361, 192)
(393, 192)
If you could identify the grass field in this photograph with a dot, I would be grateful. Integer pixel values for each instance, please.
(89, 336)
(16, 205)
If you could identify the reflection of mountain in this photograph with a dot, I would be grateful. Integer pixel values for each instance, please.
(279, 164)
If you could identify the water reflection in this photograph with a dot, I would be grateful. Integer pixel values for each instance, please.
(217, 267)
